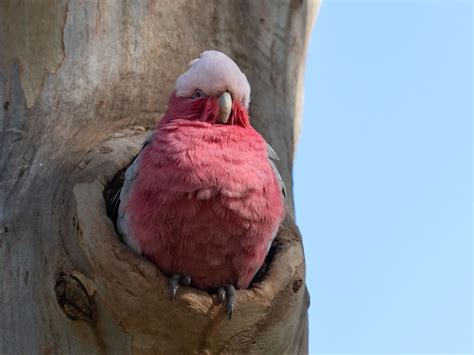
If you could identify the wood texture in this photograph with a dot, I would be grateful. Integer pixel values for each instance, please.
(80, 81)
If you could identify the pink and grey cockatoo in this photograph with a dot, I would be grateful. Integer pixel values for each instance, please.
(202, 199)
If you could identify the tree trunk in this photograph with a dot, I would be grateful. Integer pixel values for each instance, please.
(80, 82)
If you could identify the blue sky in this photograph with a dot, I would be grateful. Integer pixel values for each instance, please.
(383, 177)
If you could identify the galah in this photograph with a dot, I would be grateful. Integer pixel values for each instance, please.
(202, 199)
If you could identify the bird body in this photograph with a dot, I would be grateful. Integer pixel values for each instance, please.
(202, 198)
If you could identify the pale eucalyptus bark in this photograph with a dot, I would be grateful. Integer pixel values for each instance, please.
(78, 82)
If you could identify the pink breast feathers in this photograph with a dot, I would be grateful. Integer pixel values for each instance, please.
(206, 202)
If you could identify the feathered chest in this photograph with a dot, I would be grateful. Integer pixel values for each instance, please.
(204, 194)
(187, 157)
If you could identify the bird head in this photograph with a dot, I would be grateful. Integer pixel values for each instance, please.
(212, 90)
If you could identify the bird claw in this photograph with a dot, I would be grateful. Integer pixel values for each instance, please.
(231, 296)
(175, 280)
(186, 280)
(230, 293)
(221, 295)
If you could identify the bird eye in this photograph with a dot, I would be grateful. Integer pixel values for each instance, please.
(197, 94)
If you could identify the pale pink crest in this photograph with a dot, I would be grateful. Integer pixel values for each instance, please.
(214, 72)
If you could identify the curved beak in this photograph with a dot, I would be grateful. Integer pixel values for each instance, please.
(225, 104)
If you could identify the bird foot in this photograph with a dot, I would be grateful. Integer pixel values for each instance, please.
(229, 291)
(175, 280)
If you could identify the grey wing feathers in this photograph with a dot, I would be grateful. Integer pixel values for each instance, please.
(272, 155)
(122, 218)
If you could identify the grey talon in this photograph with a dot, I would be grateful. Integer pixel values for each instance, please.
(186, 280)
(231, 295)
(220, 295)
(174, 282)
